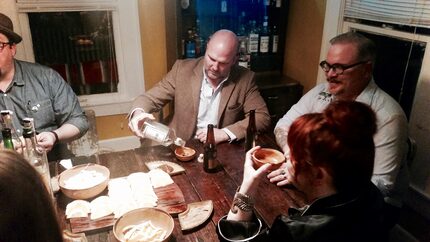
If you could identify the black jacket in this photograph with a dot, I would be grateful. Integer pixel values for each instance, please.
(355, 216)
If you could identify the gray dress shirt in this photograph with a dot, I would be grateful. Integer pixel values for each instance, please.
(41, 93)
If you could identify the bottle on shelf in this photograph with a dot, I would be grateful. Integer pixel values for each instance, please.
(200, 45)
(253, 38)
(275, 39)
(7, 139)
(251, 132)
(161, 133)
(210, 162)
(6, 116)
(36, 154)
(264, 37)
(243, 59)
(224, 6)
(190, 45)
(278, 3)
(241, 30)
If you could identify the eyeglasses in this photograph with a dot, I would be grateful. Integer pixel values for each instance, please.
(2, 45)
(338, 68)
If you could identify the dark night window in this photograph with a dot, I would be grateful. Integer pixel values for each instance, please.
(80, 46)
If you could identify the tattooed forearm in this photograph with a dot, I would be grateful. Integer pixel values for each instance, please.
(281, 134)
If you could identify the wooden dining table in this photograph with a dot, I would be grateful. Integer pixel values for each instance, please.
(195, 184)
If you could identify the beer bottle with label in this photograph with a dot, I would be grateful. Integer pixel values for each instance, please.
(210, 163)
(251, 132)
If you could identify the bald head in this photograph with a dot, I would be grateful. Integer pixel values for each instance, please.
(221, 55)
(224, 41)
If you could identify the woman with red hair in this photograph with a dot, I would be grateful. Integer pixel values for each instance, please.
(332, 155)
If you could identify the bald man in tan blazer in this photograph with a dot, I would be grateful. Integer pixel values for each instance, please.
(211, 89)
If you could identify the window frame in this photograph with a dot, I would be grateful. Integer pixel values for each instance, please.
(128, 49)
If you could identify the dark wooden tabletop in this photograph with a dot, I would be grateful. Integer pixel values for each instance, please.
(196, 185)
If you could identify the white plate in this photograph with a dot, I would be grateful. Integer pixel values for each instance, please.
(171, 168)
(196, 214)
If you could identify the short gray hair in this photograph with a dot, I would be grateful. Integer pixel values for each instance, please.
(366, 47)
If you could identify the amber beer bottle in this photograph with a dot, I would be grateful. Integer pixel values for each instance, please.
(210, 163)
(251, 132)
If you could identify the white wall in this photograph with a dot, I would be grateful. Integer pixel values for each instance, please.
(8, 8)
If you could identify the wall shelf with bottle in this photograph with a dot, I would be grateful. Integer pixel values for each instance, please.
(259, 24)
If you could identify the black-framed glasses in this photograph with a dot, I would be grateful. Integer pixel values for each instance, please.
(3, 44)
(338, 68)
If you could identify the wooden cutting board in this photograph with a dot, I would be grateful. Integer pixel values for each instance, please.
(170, 199)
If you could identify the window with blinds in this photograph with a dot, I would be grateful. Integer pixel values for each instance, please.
(402, 12)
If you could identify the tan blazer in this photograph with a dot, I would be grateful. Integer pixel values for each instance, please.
(182, 85)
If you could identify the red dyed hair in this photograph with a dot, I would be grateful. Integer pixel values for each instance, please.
(340, 140)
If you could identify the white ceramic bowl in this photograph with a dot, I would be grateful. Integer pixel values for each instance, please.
(88, 188)
(158, 218)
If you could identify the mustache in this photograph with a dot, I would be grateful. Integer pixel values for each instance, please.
(332, 80)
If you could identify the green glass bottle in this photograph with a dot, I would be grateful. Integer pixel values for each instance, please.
(7, 139)
(6, 116)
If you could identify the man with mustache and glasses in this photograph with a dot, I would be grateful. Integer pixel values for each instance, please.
(212, 89)
(348, 69)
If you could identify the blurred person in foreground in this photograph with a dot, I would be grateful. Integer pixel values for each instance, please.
(26, 209)
(332, 156)
(35, 91)
(348, 69)
(208, 90)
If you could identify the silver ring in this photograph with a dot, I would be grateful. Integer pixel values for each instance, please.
(283, 172)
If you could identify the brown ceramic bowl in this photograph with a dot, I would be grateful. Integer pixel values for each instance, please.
(185, 153)
(158, 218)
(267, 155)
(87, 188)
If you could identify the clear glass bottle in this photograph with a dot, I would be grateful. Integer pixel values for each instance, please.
(6, 116)
(190, 45)
(35, 153)
(161, 133)
(243, 59)
(210, 163)
(275, 40)
(264, 37)
(200, 43)
(253, 38)
(7, 139)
